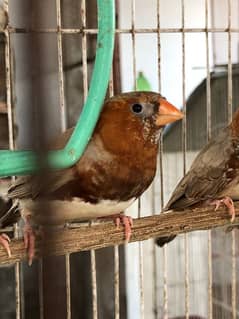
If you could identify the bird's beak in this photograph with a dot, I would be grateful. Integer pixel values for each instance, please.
(167, 113)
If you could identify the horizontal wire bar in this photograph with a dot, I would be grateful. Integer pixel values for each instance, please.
(135, 30)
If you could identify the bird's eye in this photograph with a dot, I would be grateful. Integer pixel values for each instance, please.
(137, 108)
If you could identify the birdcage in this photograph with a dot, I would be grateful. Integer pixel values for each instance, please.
(47, 55)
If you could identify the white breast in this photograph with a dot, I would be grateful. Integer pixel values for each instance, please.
(56, 212)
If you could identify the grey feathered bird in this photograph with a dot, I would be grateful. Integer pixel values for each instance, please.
(213, 177)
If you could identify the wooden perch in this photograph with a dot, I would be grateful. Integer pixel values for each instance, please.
(105, 234)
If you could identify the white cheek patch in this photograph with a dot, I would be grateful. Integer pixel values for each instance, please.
(56, 212)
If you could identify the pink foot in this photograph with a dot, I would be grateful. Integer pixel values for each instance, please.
(29, 240)
(4, 241)
(228, 202)
(127, 221)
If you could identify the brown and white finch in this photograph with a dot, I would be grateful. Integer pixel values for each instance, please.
(117, 166)
(213, 177)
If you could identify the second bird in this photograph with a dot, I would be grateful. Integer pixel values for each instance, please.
(213, 178)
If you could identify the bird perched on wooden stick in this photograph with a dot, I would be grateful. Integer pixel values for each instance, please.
(117, 166)
(213, 178)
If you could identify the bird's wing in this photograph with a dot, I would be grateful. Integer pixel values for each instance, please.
(212, 170)
(35, 185)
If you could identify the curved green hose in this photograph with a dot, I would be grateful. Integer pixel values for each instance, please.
(26, 162)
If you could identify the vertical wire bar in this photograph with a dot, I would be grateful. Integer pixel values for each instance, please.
(184, 143)
(94, 284)
(68, 287)
(17, 281)
(11, 147)
(63, 128)
(165, 256)
(133, 40)
(9, 84)
(229, 82)
(116, 248)
(234, 277)
(85, 91)
(141, 270)
(210, 303)
(229, 110)
(40, 285)
(116, 283)
(84, 49)
(154, 251)
(154, 262)
(214, 53)
(60, 66)
(209, 133)
(165, 283)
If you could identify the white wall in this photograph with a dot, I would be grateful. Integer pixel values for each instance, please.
(220, 20)
(171, 47)
(171, 44)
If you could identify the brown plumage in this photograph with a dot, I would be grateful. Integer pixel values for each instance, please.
(214, 174)
(119, 162)
(117, 166)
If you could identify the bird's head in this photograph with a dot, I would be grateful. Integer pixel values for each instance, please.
(135, 118)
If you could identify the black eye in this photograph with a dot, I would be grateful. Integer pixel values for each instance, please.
(137, 108)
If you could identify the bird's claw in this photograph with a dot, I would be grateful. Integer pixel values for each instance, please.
(127, 222)
(4, 241)
(29, 240)
(228, 202)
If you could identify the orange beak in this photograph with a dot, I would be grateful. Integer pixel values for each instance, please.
(167, 113)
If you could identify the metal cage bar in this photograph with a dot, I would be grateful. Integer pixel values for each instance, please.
(68, 286)
(184, 149)
(40, 288)
(155, 309)
(26, 162)
(209, 133)
(116, 248)
(60, 66)
(94, 285)
(229, 111)
(8, 54)
(140, 244)
(120, 31)
(84, 49)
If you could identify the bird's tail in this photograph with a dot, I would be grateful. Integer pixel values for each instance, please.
(161, 241)
(9, 212)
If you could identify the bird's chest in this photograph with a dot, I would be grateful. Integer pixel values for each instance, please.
(121, 179)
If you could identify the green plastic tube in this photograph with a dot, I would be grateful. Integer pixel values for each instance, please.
(26, 162)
